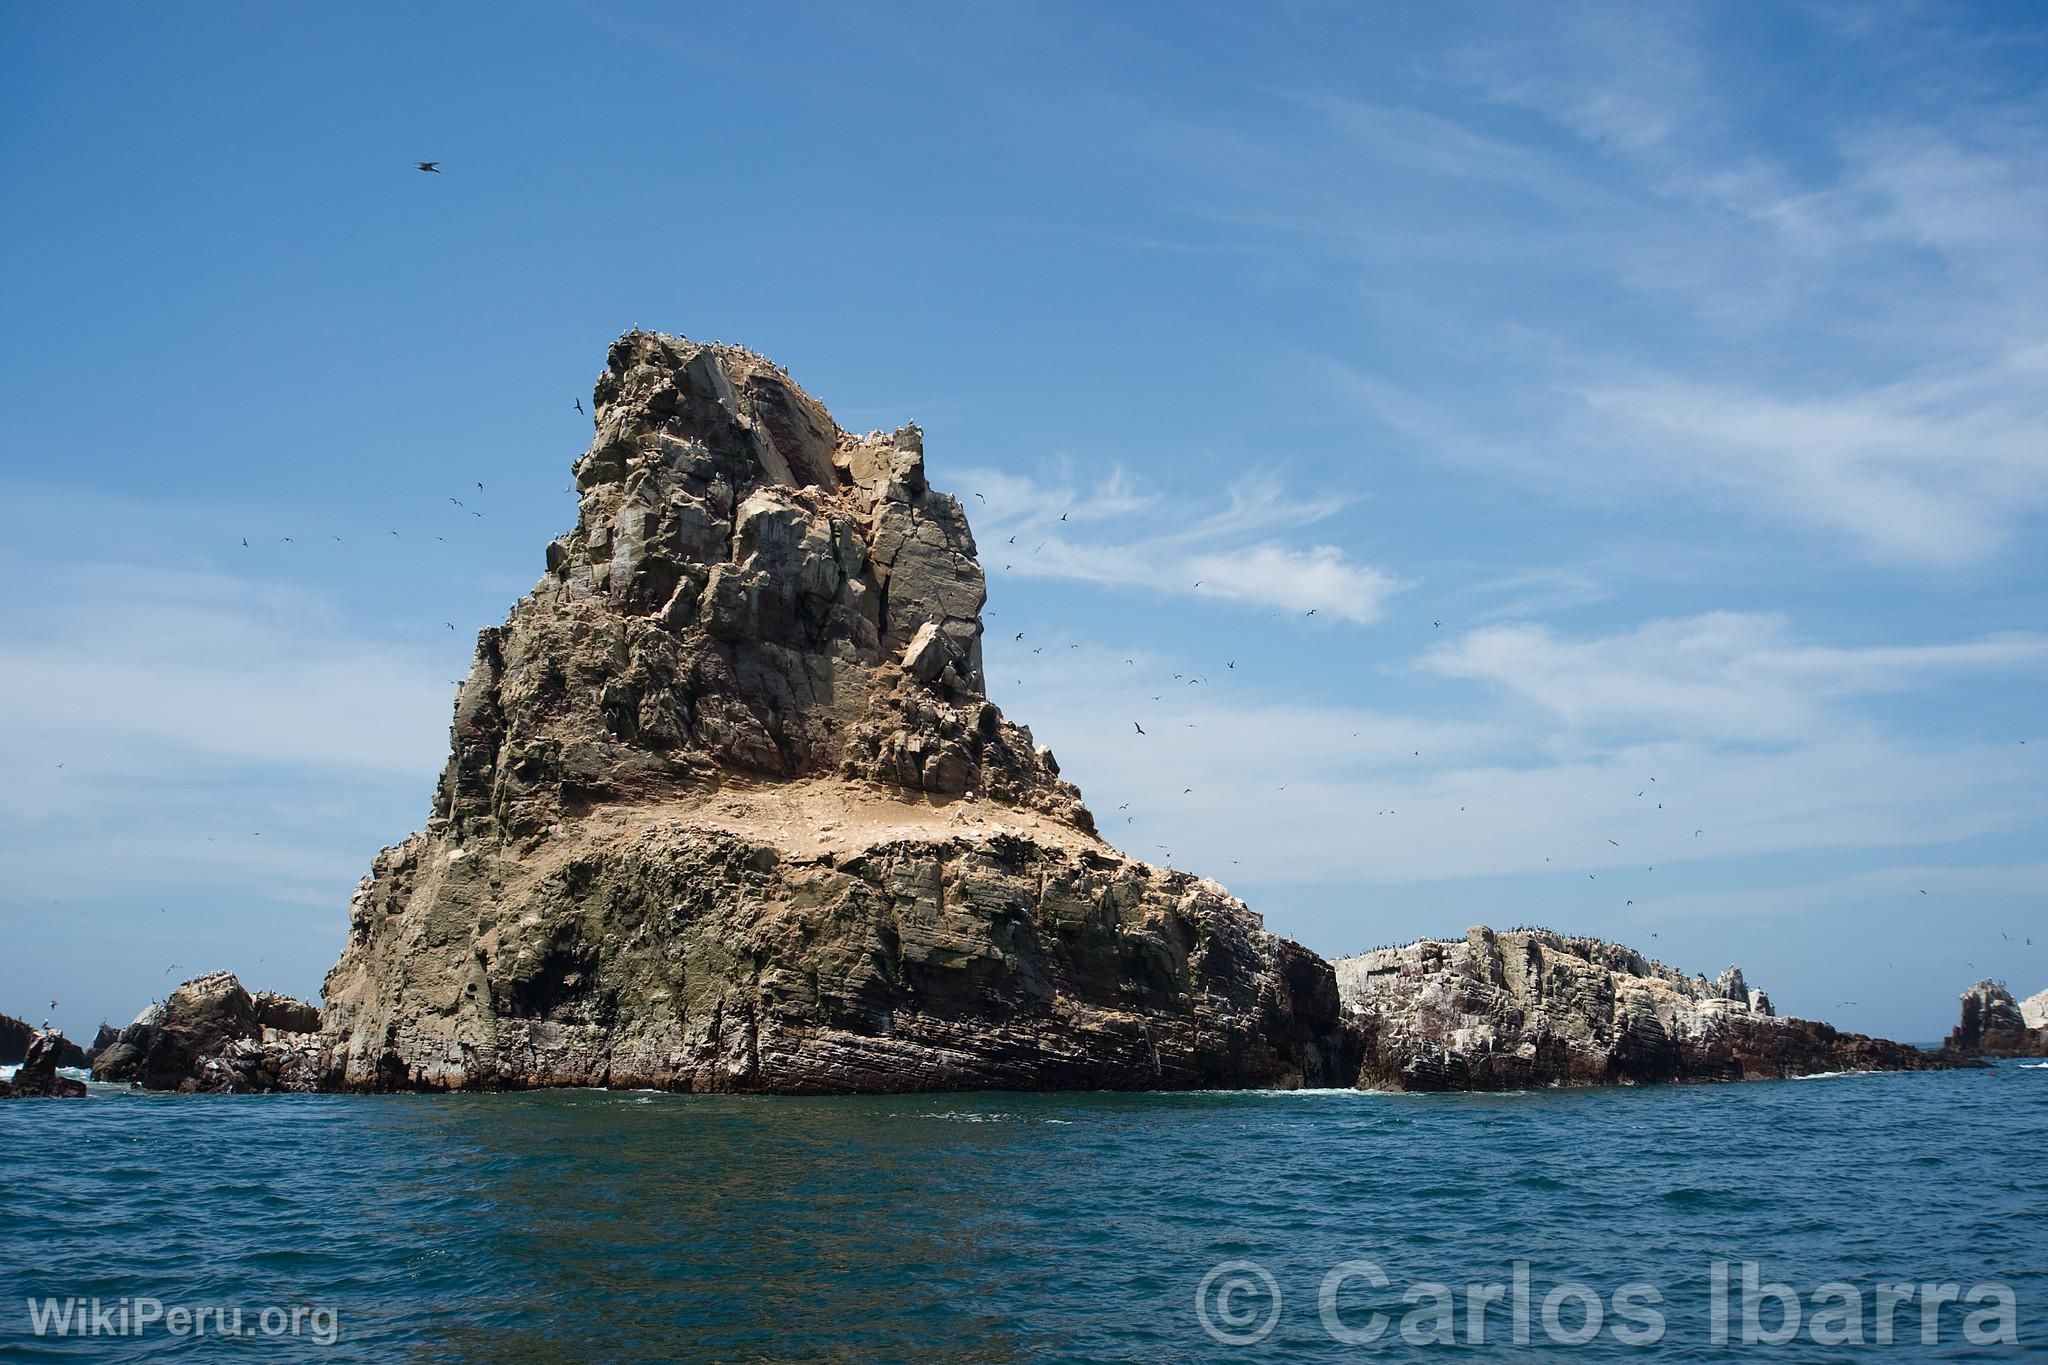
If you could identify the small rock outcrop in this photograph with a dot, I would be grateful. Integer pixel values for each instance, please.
(18, 1039)
(37, 1076)
(212, 1035)
(2034, 1010)
(1527, 1007)
(1993, 1024)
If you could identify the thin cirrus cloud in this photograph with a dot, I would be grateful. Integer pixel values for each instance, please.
(1728, 676)
(1118, 535)
(1847, 324)
(1937, 471)
(129, 669)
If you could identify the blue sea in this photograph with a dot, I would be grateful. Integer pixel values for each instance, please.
(601, 1226)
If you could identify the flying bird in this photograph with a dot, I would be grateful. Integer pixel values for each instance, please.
(1311, 611)
(432, 166)
(1139, 728)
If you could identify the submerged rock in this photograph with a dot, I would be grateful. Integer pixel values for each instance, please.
(1993, 1024)
(1527, 1007)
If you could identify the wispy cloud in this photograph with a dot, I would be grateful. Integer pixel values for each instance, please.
(1115, 534)
(1723, 675)
(1230, 781)
(131, 669)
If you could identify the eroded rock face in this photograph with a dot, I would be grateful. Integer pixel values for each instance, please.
(749, 591)
(1527, 1007)
(727, 809)
(1993, 1024)
(679, 956)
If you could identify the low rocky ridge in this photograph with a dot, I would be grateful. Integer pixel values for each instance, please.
(727, 809)
(1993, 1024)
(212, 1035)
(1528, 1007)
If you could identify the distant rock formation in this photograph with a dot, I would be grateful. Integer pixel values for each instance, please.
(1993, 1024)
(727, 808)
(2034, 1010)
(1527, 1007)
(107, 1036)
(210, 1034)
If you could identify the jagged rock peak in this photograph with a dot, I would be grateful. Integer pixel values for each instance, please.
(1993, 1024)
(749, 592)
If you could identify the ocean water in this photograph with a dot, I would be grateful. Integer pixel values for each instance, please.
(598, 1226)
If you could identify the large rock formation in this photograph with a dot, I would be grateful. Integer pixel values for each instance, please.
(1527, 1007)
(1993, 1024)
(728, 809)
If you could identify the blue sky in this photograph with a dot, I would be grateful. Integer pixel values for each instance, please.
(1689, 366)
